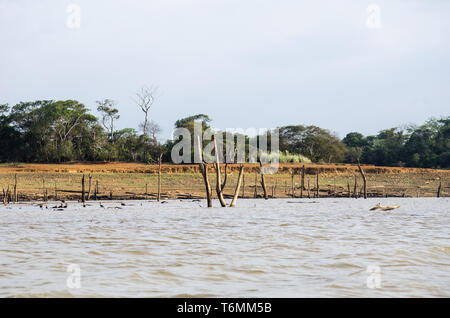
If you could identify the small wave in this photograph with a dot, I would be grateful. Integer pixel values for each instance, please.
(164, 273)
(441, 250)
(136, 252)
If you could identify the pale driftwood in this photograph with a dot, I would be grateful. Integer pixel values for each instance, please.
(384, 208)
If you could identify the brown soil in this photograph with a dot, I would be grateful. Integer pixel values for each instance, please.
(131, 180)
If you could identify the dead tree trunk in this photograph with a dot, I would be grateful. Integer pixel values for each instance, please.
(82, 189)
(263, 182)
(302, 185)
(348, 189)
(236, 191)
(292, 184)
(243, 184)
(219, 184)
(439, 189)
(43, 189)
(15, 188)
(317, 184)
(255, 193)
(354, 189)
(204, 171)
(309, 190)
(159, 177)
(89, 188)
(274, 192)
(364, 180)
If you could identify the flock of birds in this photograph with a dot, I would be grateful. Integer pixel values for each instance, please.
(63, 205)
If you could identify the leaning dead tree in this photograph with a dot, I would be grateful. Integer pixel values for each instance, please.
(238, 185)
(219, 185)
(263, 181)
(204, 171)
(364, 180)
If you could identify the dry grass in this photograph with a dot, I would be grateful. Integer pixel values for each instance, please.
(129, 180)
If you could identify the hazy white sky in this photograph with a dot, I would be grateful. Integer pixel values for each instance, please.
(245, 63)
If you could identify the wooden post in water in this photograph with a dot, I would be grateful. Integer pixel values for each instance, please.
(4, 196)
(15, 188)
(255, 193)
(348, 189)
(317, 183)
(439, 189)
(274, 194)
(364, 180)
(309, 190)
(110, 195)
(243, 184)
(89, 188)
(292, 185)
(263, 182)
(302, 185)
(334, 187)
(159, 177)
(82, 189)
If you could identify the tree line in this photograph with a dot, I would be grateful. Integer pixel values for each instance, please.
(63, 131)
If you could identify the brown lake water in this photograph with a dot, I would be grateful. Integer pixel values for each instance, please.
(310, 248)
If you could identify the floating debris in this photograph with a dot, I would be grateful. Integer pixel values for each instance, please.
(384, 207)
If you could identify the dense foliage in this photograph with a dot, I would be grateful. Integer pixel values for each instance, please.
(61, 131)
